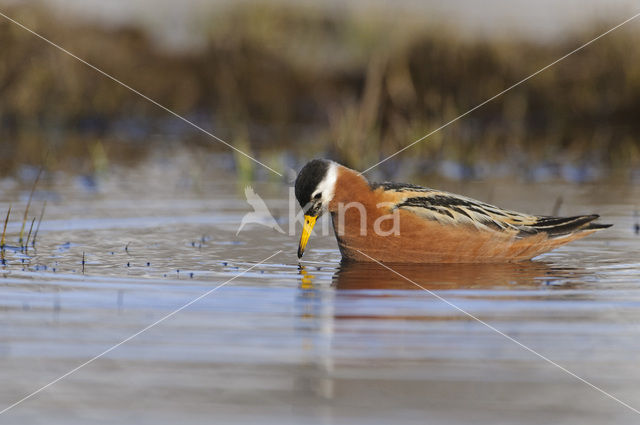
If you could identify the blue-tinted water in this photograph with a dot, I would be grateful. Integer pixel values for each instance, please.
(310, 342)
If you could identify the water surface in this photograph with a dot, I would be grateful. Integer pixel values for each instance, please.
(309, 342)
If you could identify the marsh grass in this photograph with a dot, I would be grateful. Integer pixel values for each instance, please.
(4, 229)
(23, 244)
(26, 244)
(311, 82)
(555, 211)
(26, 210)
(35, 235)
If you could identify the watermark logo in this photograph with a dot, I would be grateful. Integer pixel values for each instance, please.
(260, 214)
(353, 214)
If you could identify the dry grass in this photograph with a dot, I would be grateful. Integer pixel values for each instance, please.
(355, 87)
(4, 229)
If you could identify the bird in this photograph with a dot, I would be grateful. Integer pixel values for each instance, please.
(406, 223)
(260, 213)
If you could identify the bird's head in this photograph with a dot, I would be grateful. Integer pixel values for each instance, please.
(315, 188)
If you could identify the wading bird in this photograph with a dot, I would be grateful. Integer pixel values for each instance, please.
(405, 223)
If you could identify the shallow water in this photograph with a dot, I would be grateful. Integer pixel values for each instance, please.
(310, 342)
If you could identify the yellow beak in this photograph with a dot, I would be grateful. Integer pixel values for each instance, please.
(309, 222)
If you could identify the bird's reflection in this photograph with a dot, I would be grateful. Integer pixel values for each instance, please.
(322, 311)
(309, 299)
(306, 279)
(353, 276)
(315, 326)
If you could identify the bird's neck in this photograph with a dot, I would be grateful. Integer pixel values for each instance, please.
(350, 187)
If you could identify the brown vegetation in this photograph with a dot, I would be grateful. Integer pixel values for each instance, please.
(355, 87)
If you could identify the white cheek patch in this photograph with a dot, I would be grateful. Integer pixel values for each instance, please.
(328, 185)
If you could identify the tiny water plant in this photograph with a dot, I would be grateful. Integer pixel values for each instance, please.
(557, 205)
(35, 235)
(26, 245)
(4, 230)
(26, 211)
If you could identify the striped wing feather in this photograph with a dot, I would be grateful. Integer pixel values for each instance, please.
(448, 208)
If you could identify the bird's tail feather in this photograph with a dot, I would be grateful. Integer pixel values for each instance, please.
(561, 226)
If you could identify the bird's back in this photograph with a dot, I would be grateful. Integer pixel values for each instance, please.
(448, 208)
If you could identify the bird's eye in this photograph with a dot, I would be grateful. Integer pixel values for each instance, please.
(317, 196)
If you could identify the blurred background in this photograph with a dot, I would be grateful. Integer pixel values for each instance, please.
(287, 81)
(114, 212)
